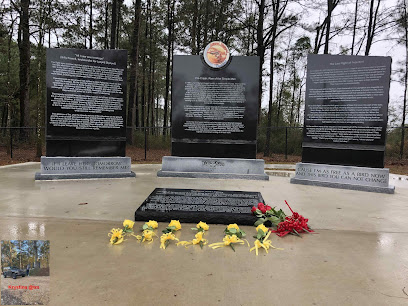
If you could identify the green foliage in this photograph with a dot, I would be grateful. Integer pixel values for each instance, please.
(393, 144)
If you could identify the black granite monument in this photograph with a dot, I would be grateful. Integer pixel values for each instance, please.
(193, 206)
(214, 116)
(345, 122)
(86, 114)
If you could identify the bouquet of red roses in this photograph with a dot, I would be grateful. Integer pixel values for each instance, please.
(294, 224)
(267, 214)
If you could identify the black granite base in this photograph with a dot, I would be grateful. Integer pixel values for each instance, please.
(193, 206)
(86, 148)
(344, 157)
(213, 150)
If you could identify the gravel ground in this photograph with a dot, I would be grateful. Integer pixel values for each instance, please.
(39, 295)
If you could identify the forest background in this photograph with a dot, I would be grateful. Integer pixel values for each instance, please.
(280, 32)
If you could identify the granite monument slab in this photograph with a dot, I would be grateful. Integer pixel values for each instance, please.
(345, 122)
(193, 206)
(214, 111)
(86, 111)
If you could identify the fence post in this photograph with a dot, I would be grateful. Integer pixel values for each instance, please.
(11, 143)
(286, 142)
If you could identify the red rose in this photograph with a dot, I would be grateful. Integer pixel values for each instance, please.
(253, 209)
(268, 207)
(261, 205)
(262, 209)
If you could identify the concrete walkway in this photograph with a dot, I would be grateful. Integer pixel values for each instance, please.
(358, 257)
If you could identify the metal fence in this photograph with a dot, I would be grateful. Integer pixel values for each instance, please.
(28, 143)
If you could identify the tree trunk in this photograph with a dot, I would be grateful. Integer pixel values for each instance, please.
(133, 113)
(152, 97)
(114, 24)
(106, 23)
(205, 39)
(11, 257)
(119, 17)
(194, 28)
(90, 24)
(404, 108)
(271, 68)
(293, 92)
(170, 7)
(24, 47)
(372, 22)
(354, 28)
(19, 253)
(329, 12)
(260, 52)
(143, 97)
(35, 248)
(40, 95)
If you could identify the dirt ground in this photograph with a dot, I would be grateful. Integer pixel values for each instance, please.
(21, 294)
(154, 156)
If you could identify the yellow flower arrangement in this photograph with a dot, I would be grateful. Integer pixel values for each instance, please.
(153, 224)
(128, 223)
(202, 225)
(148, 233)
(176, 224)
(173, 226)
(199, 239)
(116, 236)
(233, 229)
(234, 225)
(263, 228)
(228, 240)
(165, 239)
(262, 241)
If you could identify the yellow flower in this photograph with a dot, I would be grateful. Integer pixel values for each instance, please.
(234, 225)
(165, 238)
(228, 240)
(148, 235)
(266, 244)
(152, 224)
(176, 224)
(116, 236)
(262, 227)
(231, 239)
(199, 238)
(128, 223)
(203, 225)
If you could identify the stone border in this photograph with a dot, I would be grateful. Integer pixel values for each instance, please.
(343, 177)
(206, 167)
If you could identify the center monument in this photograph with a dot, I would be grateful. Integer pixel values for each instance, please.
(214, 116)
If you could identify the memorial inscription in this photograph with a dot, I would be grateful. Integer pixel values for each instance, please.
(86, 92)
(191, 205)
(345, 123)
(346, 110)
(214, 111)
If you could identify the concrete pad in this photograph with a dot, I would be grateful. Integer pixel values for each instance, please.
(358, 257)
(329, 268)
(117, 199)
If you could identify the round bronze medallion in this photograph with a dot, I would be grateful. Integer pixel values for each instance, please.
(216, 54)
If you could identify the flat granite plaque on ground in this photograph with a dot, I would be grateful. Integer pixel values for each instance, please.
(193, 206)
